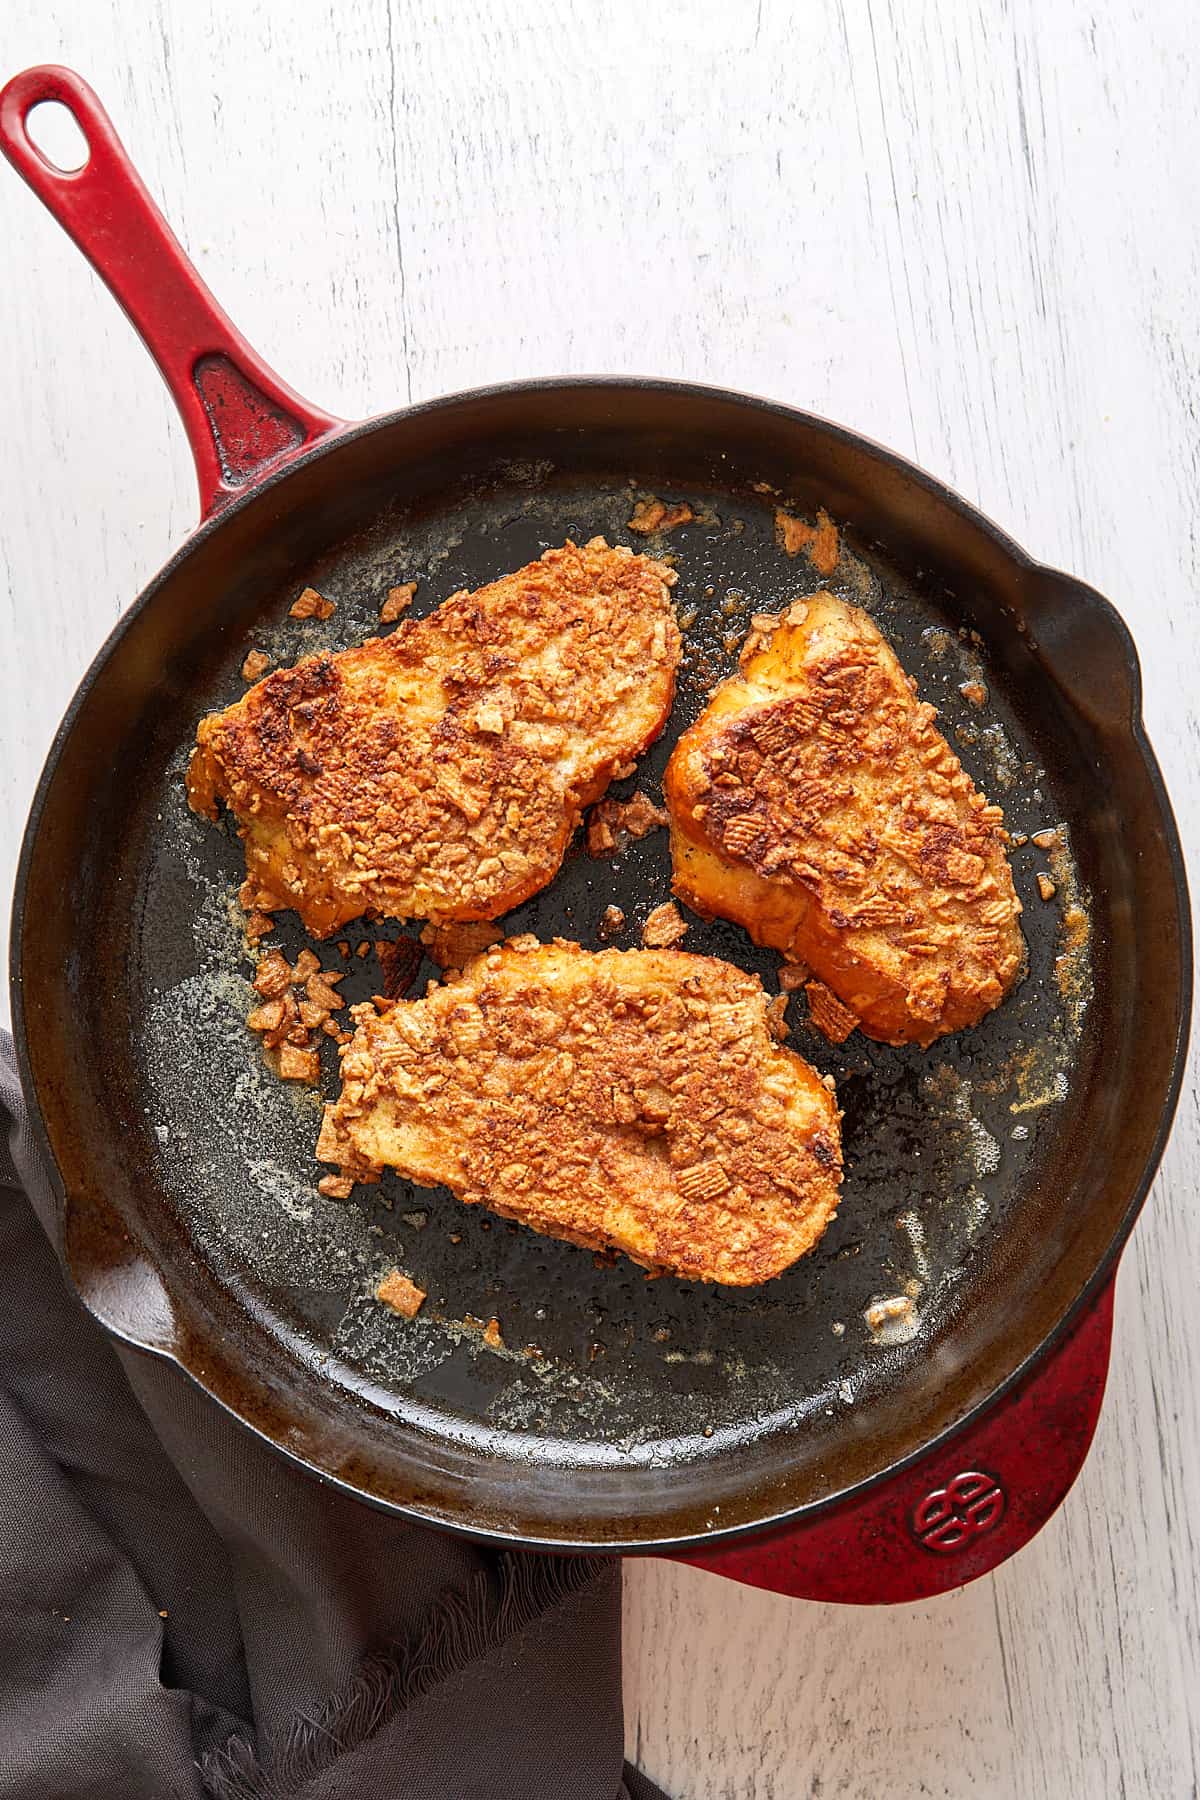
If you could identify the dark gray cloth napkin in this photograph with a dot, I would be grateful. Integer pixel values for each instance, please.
(184, 1614)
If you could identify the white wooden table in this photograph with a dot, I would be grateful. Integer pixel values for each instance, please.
(972, 231)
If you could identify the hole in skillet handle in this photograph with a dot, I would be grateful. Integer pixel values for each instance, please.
(58, 138)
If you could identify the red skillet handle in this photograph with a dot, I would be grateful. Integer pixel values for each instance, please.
(957, 1513)
(241, 420)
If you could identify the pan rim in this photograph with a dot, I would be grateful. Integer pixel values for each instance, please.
(1104, 1269)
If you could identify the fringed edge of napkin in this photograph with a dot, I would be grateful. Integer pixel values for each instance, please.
(463, 1626)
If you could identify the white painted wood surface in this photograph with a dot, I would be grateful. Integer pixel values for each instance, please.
(970, 230)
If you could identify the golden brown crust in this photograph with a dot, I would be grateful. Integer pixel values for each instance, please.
(439, 773)
(815, 803)
(630, 1100)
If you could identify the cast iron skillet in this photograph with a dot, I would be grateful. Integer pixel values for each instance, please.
(992, 1179)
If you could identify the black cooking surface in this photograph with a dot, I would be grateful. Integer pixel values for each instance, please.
(942, 1146)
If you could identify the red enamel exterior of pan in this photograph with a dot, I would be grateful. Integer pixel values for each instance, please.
(887, 1476)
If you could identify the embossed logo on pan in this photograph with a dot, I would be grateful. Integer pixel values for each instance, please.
(951, 1516)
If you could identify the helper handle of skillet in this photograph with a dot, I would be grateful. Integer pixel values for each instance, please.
(242, 421)
(958, 1511)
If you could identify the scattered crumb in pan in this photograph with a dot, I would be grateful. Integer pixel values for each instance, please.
(612, 921)
(777, 1023)
(487, 1330)
(398, 601)
(652, 514)
(311, 605)
(321, 989)
(259, 925)
(819, 542)
(1046, 886)
(267, 1017)
(336, 1187)
(296, 1064)
(257, 663)
(837, 1328)
(285, 1023)
(1018, 839)
(1045, 840)
(363, 949)
(400, 1294)
(793, 976)
(418, 1220)
(453, 946)
(892, 1320)
(831, 1017)
(974, 691)
(612, 823)
(273, 976)
(664, 927)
